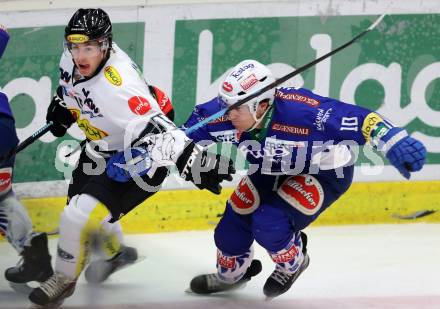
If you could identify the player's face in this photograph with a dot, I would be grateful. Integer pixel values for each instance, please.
(241, 118)
(87, 57)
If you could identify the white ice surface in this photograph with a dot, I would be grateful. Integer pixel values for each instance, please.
(356, 267)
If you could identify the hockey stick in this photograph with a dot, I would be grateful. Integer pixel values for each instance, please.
(284, 78)
(40, 132)
(279, 81)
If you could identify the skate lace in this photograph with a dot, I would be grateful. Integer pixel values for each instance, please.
(281, 276)
(54, 285)
(212, 281)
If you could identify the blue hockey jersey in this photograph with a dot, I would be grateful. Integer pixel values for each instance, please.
(303, 132)
(8, 135)
(5, 108)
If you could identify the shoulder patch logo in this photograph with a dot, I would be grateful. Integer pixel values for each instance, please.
(113, 76)
(139, 105)
(369, 125)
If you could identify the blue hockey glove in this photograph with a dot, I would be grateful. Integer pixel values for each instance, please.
(405, 153)
(139, 164)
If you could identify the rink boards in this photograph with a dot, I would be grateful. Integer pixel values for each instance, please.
(183, 210)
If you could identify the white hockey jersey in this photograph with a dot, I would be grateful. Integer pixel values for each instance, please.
(115, 99)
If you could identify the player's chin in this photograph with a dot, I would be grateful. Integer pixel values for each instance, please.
(239, 126)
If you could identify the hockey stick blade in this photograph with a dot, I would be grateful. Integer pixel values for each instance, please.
(284, 78)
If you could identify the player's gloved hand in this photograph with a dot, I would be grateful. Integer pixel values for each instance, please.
(58, 113)
(205, 169)
(407, 154)
(139, 164)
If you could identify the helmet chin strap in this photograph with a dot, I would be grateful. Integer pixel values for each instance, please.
(258, 120)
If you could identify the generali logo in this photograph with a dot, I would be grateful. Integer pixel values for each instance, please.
(223, 118)
(295, 130)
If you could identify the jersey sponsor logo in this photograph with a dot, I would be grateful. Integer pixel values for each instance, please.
(248, 82)
(163, 100)
(378, 132)
(139, 105)
(231, 136)
(240, 71)
(223, 118)
(113, 76)
(321, 118)
(87, 105)
(65, 76)
(280, 147)
(369, 125)
(303, 192)
(296, 97)
(274, 149)
(227, 87)
(295, 130)
(245, 199)
(225, 261)
(5, 179)
(286, 256)
(92, 132)
(77, 38)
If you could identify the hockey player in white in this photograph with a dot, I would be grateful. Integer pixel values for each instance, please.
(102, 90)
(15, 223)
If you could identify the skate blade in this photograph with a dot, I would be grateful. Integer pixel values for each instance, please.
(48, 306)
(21, 288)
(268, 298)
(239, 287)
(189, 291)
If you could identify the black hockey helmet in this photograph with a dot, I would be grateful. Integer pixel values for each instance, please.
(88, 24)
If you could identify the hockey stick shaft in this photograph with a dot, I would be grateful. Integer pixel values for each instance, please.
(284, 78)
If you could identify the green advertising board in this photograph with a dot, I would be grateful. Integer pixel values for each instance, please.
(393, 69)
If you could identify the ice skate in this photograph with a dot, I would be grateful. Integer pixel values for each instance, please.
(98, 271)
(280, 281)
(35, 265)
(52, 292)
(207, 284)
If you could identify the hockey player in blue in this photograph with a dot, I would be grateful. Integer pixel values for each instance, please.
(301, 151)
(15, 223)
(301, 148)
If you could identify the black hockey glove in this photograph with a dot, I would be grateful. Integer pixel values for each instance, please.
(205, 169)
(61, 117)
